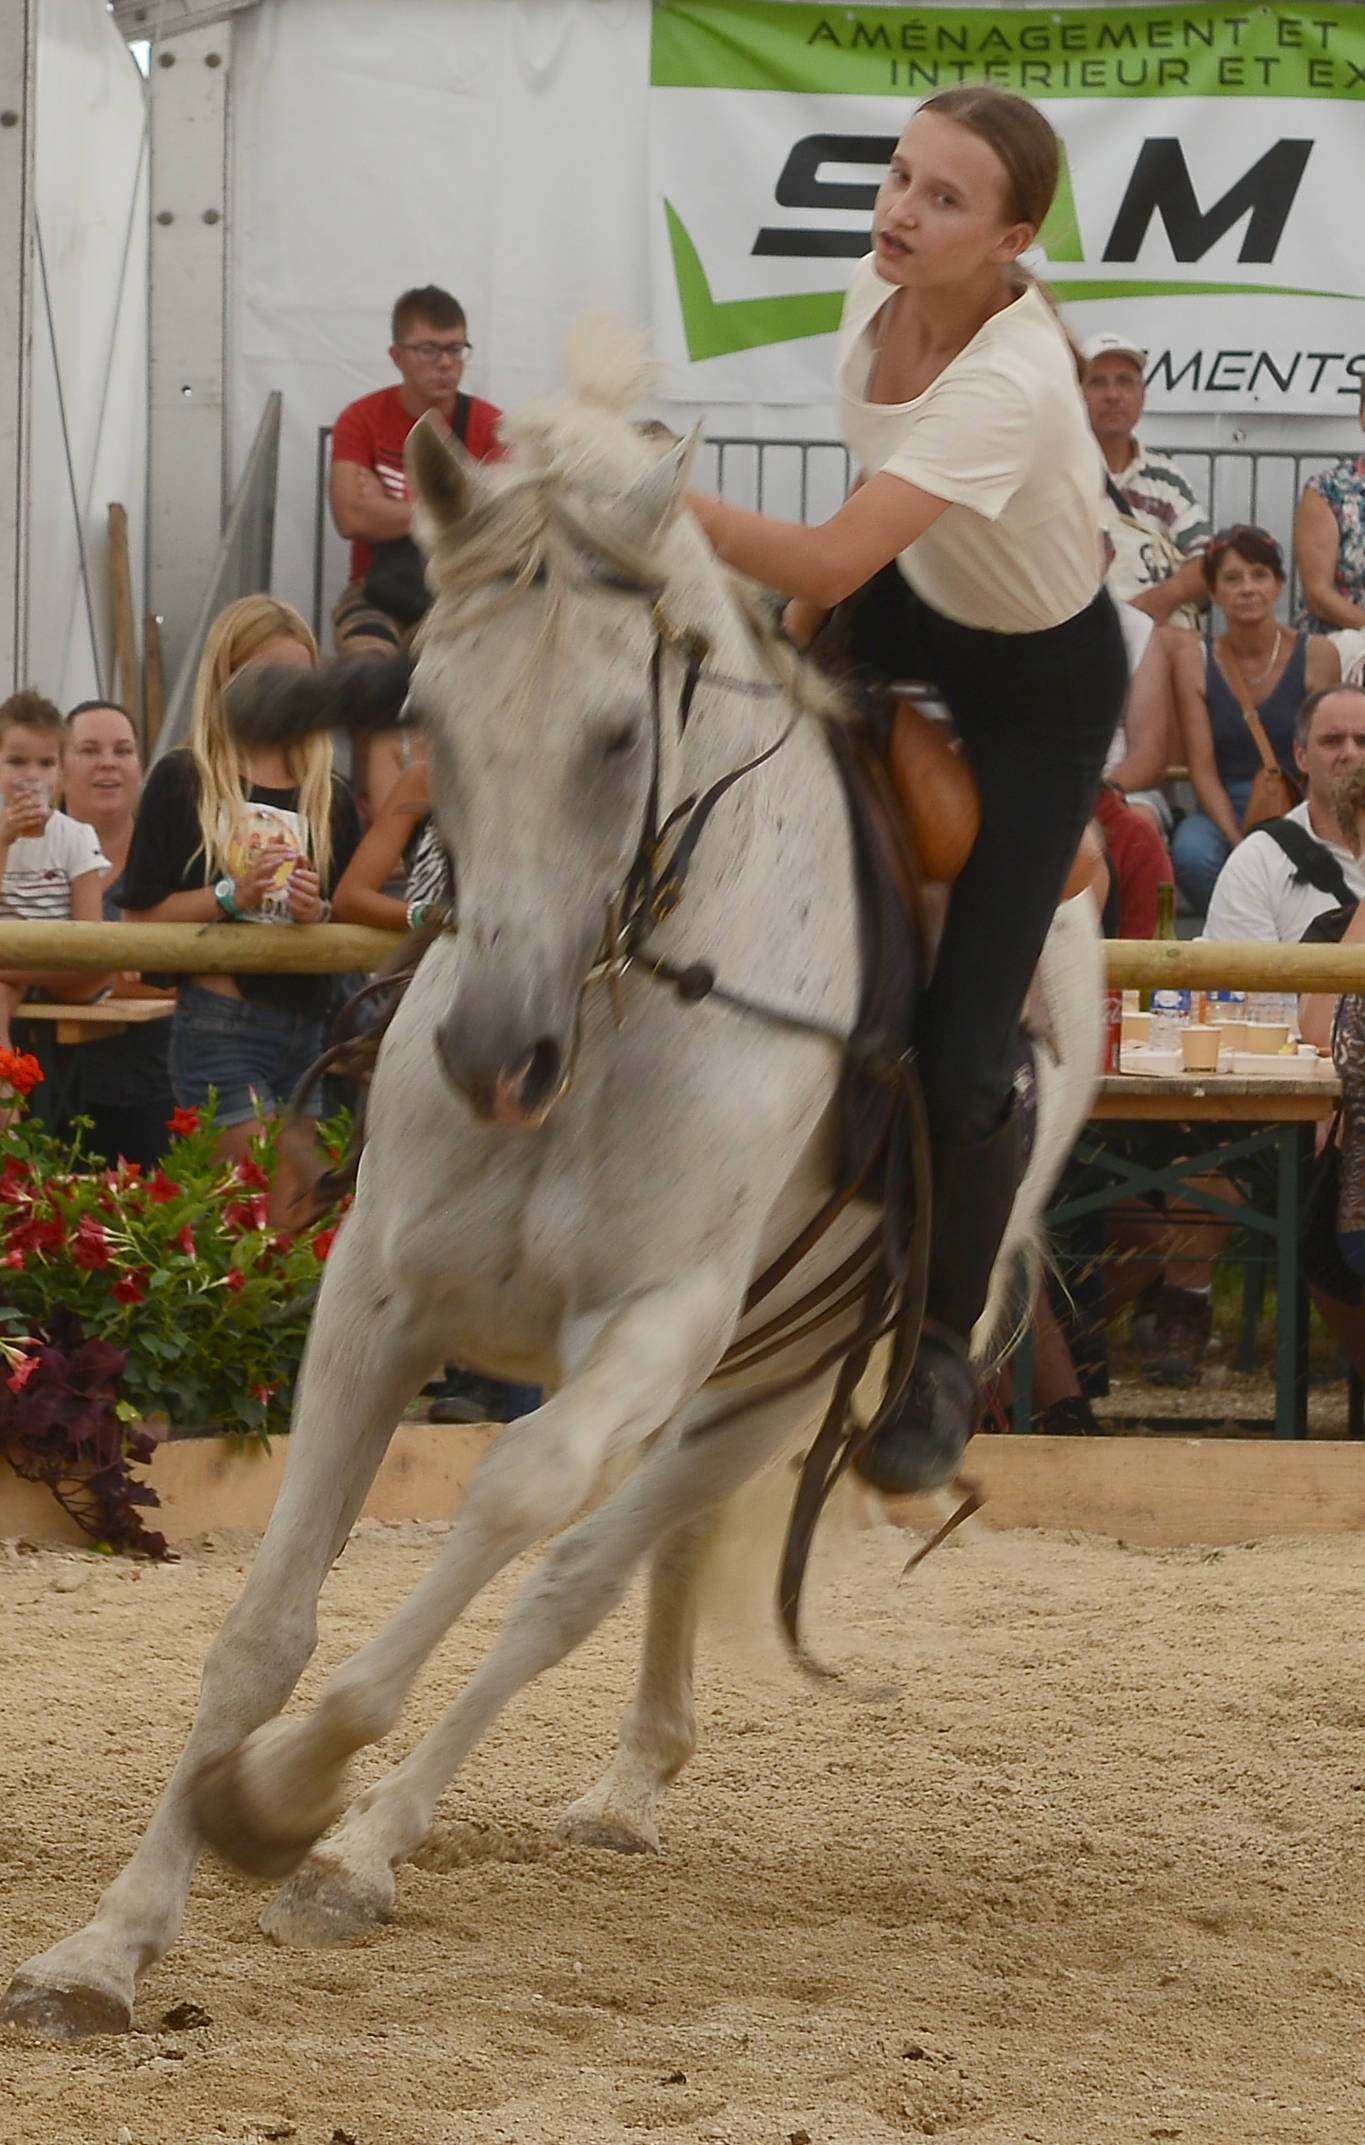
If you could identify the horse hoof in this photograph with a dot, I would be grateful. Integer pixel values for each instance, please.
(324, 1903)
(218, 1796)
(593, 1828)
(63, 2014)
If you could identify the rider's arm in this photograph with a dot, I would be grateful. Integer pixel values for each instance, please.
(824, 564)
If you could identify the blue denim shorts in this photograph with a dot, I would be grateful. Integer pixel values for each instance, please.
(253, 1056)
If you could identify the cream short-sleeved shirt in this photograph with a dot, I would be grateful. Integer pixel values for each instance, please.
(1002, 434)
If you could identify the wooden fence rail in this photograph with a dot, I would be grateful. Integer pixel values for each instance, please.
(335, 949)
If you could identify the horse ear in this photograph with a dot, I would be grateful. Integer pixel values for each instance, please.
(441, 474)
(642, 513)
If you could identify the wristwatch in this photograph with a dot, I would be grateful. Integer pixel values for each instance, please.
(223, 893)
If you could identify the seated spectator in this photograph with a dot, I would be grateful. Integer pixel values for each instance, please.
(386, 596)
(1131, 813)
(1155, 521)
(50, 865)
(1329, 544)
(244, 833)
(401, 843)
(1288, 871)
(1274, 665)
(123, 1081)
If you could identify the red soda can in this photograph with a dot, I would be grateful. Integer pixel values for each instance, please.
(1113, 1029)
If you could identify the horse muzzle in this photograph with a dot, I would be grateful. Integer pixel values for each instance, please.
(516, 1085)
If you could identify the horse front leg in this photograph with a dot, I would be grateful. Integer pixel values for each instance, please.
(638, 1364)
(363, 1362)
(347, 1884)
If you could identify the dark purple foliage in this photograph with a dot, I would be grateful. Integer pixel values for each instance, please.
(60, 1429)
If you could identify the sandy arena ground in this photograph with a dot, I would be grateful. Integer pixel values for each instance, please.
(1074, 1854)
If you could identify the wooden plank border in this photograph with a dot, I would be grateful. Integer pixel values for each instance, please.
(1164, 1492)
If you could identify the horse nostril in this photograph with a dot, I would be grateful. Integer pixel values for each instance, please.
(541, 1078)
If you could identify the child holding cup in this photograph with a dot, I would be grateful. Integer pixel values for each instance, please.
(50, 864)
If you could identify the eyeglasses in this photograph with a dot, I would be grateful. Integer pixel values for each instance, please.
(430, 353)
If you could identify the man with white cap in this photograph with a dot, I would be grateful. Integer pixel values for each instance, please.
(1158, 526)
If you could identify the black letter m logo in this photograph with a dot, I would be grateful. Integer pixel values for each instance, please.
(1160, 186)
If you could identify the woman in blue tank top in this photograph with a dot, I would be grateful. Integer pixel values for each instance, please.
(1244, 568)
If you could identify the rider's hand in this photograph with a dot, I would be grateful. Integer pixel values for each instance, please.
(802, 620)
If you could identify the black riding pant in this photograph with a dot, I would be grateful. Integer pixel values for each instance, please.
(1036, 713)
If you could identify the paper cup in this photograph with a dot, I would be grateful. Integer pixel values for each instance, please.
(1199, 1048)
(1265, 1037)
(1234, 1034)
(1137, 1029)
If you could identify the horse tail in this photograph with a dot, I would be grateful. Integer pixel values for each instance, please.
(607, 361)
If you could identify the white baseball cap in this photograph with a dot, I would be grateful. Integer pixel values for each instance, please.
(1110, 345)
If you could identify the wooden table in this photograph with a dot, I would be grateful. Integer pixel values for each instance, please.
(1215, 1120)
(77, 1024)
(92, 1023)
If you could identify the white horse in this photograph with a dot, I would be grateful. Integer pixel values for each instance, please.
(595, 1233)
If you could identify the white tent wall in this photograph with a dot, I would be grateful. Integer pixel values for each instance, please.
(89, 342)
(496, 147)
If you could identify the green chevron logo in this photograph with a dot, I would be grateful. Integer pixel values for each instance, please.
(719, 327)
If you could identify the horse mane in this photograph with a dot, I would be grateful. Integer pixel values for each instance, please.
(582, 442)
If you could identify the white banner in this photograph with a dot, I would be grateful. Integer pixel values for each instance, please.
(1209, 209)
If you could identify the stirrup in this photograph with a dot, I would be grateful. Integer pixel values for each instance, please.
(919, 1445)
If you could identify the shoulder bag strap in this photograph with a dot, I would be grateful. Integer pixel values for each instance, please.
(1313, 862)
(1233, 672)
(459, 423)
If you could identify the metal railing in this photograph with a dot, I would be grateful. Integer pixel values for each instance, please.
(806, 479)
(241, 565)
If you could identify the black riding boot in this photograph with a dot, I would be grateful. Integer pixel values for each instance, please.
(920, 1446)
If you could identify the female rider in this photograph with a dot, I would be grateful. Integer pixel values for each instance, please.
(978, 511)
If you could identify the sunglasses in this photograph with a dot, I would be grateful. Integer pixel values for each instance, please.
(1227, 538)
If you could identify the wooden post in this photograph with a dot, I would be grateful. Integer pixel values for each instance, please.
(129, 683)
(155, 681)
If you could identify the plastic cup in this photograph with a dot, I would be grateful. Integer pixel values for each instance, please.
(1199, 1047)
(1265, 1037)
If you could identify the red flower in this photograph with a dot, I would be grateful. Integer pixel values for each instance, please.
(234, 1279)
(160, 1189)
(13, 1258)
(17, 1182)
(22, 1372)
(261, 1393)
(182, 1122)
(20, 1070)
(37, 1235)
(251, 1173)
(322, 1242)
(90, 1244)
(185, 1239)
(243, 1214)
(129, 1289)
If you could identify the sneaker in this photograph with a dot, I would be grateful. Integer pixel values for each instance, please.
(1179, 1337)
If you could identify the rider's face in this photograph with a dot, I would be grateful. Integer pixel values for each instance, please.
(941, 213)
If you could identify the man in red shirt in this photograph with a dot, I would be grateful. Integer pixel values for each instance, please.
(368, 488)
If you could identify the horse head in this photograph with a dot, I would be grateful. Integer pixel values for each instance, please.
(532, 683)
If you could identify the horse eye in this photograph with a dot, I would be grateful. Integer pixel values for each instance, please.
(616, 743)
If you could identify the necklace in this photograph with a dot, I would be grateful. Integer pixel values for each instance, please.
(1258, 677)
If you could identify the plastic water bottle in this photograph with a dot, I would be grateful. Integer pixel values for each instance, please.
(1170, 1013)
(1226, 1005)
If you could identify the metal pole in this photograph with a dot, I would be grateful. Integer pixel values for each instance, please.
(18, 37)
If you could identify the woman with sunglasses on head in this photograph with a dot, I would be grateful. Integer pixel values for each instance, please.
(974, 535)
(1254, 658)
